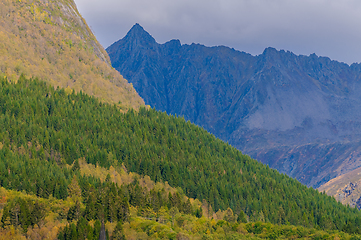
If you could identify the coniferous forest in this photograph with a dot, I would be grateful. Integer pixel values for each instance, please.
(47, 133)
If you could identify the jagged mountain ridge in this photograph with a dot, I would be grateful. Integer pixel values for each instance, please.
(286, 110)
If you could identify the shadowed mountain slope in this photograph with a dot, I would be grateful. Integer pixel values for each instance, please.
(299, 114)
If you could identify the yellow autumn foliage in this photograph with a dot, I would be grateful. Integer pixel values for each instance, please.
(50, 40)
(120, 175)
(49, 227)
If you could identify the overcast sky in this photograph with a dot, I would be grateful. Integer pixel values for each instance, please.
(329, 28)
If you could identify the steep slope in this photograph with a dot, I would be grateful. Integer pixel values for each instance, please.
(46, 130)
(298, 114)
(50, 40)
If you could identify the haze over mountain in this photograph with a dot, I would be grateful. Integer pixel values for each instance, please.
(299, 114)
(330, 28)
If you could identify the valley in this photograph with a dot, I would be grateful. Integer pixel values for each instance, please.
(84, 156)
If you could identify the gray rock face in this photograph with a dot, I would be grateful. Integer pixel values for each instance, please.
(299, 114)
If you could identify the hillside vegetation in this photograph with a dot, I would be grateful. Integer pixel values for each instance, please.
(163, 224)
(50, 40)
(48, 135)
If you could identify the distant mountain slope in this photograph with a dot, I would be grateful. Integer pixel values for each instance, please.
(345, 188)
(50, 40)
(299, 114)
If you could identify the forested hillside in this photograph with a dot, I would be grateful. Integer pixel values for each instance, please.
(298, 114)
(47, 132)
(50, 40)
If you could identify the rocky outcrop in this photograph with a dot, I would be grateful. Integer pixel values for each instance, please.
(358, 203)
(347, 191)
(298, 114)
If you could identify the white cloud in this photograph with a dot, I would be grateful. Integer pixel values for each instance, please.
(327, 27)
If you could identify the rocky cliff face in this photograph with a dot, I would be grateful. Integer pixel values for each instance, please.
(299, 114)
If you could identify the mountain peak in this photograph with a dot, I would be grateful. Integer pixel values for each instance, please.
(270, 51)
(137, 29)
(138, 35)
